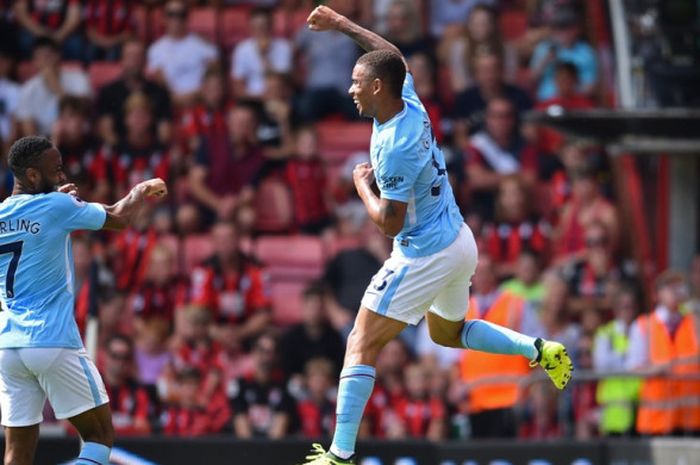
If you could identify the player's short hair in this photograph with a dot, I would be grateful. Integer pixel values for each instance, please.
(387, 66)
(26, 153)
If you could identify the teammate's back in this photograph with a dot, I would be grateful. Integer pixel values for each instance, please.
(36, 268)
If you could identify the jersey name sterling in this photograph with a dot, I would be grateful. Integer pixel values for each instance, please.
(20, 225)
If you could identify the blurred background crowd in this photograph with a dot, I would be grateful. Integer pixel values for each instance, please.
(225, 309)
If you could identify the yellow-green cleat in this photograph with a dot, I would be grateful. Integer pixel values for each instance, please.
(319, 456)
(556, 362)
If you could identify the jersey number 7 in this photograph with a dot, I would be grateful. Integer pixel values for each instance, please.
(15, 248)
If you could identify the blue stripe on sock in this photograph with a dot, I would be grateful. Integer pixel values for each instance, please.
(91, 381)
(389, 294)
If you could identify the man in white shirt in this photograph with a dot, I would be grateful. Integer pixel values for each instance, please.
(179, 58)
(257, 55)
(39, 96)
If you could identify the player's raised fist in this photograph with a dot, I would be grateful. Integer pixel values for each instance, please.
(155, 188)
(323, 19)
(363, 173)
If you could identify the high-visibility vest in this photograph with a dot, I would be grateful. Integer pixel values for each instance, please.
(687, 341)
(617, 396)
(506, 311)
(666, 403)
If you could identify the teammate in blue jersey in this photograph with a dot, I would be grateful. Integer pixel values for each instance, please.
(41, 353)
(434, 253)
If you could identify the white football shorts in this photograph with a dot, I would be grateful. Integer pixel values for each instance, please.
(67, 377)
(405, 288)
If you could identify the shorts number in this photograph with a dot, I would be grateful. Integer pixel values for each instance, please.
(382, 286)
(15, 248)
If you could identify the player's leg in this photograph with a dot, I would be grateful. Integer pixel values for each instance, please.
(76, 393)
(20, 444)
(369, 335)
(21, 404)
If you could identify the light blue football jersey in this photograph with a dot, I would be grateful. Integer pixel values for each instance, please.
(36, 268)
(409, 167)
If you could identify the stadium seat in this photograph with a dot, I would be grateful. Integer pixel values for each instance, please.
(286, 302)
(273, 207)
(336, 245)
(197, 248)
(338, 139)
(203, 21)
(513, 24)
(102, 73)
(235, 25)
(291, 258)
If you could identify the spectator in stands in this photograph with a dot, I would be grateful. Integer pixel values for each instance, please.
(516, 227)
(617, 396)
(262, 407)
(187, 416)
(328, 57)
(134, 408)
(566, 45)
(491, 405)
(527, 281)
(179, 58)
(665, 342)
(151, 351)
(316, 405)
(693, 304)
(208, 117)
(112, 97)
(305, 174)
(421, 414)
(111, 315)
(423, 69)
(275, 129)
(257, 55)
(162, 290)
(138, 155)
(108, 26)
(129, 251)
(481, 31)
(567, 97)
(586, 205)
(58, 20)
(586, 413)
(9, 98)
(227, 165)
(91, 278)
(312, 337)
(471, 104)
(496, 152)
(233, 285)
(448, 17)
(83, 158)
(554, 315)
(38, 101)
(404, 28)
(347, 276)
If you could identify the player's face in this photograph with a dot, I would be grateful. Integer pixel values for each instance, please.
(362, 91)
(49, 174)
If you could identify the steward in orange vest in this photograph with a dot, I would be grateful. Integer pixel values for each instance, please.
(667, 344)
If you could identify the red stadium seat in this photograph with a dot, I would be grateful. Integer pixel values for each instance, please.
(196, 249)
(513, 24)
(235, 25)
(338, 139)
(291, 258)
(102, 73)
(273, 207)
(287, 302)
(203, 21)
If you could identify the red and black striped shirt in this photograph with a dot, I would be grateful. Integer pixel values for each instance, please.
(109, 17)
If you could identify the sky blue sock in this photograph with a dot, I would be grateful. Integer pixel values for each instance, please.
(487, 337)
(356, 384)
(93, 453)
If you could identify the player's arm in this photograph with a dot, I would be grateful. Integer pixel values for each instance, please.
(324, 18)
(388, 214)
(121, 214)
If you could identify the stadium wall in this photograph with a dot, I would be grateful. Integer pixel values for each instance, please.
(227, 451)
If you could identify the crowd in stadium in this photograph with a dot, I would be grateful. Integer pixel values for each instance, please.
(225, 310)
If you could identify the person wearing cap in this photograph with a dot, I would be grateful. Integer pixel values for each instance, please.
(564, 45)
(665, 346)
